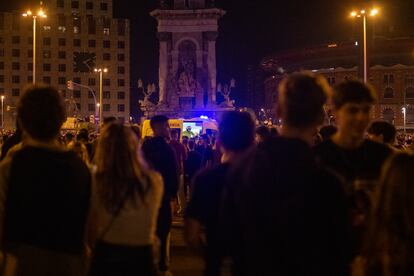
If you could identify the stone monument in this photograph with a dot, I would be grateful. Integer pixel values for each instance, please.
(187, 32)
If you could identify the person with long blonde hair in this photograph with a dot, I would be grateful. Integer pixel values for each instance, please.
(389, 243)
(127, 196)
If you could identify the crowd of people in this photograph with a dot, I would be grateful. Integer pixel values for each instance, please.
(298, 200)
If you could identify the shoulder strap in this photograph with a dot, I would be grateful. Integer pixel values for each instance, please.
(115, 215)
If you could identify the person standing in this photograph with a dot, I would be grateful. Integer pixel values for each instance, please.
(236, 135)
(191, 166)
(161, 157)
(44, 193)
(181, 155)
(127, 199)
(283, 214)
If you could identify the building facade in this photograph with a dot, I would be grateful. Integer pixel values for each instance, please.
(75, 38)
(391, 73)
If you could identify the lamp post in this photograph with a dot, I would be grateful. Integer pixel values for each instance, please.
(40, 14)
(71, 85)
(100, 71)
(363, 14)
(404, 112)
(2, 112)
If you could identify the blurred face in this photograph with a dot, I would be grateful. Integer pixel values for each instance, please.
(174, 136)
(162, 130)
(353, 119)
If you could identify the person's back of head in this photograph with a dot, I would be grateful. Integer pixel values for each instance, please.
(301, 99)
(119, 166)
(191, 144)
(159, 125)
(383, 132)
(109, 120)
(174, 135)
(41, 112)
(391, 225)
(83, 137)
(352, 91)
(236, 131)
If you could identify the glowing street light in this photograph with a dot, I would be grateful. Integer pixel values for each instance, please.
(99, 105)
(40, 14)
(363, 13)
(2, 112)
(404, 112)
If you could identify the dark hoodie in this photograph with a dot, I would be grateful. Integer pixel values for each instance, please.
(284, 215)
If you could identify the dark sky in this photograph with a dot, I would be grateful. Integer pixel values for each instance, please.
(250, 30)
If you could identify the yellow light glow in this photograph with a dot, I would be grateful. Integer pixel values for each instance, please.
(2, 98)
(96, 70)
(363, 11)
(41, 13)
(29, 12)
(354, 14)
(97, 104)
(105, 70)
(374, 12)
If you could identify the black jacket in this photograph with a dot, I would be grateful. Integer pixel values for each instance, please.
(284, 215)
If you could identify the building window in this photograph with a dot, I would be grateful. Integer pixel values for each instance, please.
(60, 4)
(62, 80)
(15, 79)
(30, 79)
(107, 107)
(47, 80)
(121, 27)
(30, 40)
(91, 25)
(30, 66)
(91, 107)
(75, 5)
(76, 25)
(106, 82)
(409, 80)
(62, 54)
(104, 6)
(16, 39)
(30, 53)
(1, 78)
(76, 94)
(78, 106)
(410, 116)
(388, 79)
(121, 70)
(92, 43)
(91, 81)
(1, 65)
(46, 41)
(106, 94)
(121, 57)
(15, 66)
(62, 42)
(388, 115)
(106, 43)
(121, 82)
(89, 5)
(15, 92)
(388, 93)
(409, 92)
(77, 80)
(1, 52)
(47, 54)
(106, 56)
(121, 44)
(16, 53)
(47, 67)
(76, 42)
(62, 67)
(121, 95)
(121, 108)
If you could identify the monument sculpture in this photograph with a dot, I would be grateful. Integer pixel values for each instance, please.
(187, 32)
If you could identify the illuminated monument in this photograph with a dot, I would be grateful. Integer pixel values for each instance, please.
(187, 31)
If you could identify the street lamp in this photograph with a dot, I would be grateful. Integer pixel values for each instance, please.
(404, 112)
(363, 14)
(40, 14)
(100, 71)
(2, 112)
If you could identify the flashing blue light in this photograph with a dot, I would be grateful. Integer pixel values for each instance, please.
(204, 117)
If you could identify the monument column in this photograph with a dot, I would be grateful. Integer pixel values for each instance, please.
(211, 65)
(164, 38)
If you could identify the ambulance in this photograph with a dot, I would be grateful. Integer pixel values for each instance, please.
(185, 127)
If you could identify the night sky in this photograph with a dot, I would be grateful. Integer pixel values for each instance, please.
(250, 30)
